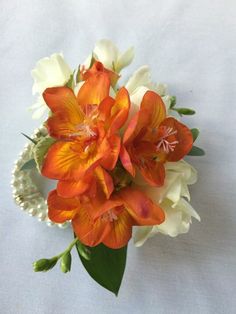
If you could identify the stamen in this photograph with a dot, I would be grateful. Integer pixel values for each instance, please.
(164, 143)
(110, 216)
(84, 130)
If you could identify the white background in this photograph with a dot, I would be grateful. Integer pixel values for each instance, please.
(191, 46)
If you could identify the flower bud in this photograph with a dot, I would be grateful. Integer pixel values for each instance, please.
(66, 262)
(44, 264)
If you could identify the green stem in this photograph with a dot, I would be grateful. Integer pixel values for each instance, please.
(68, 249)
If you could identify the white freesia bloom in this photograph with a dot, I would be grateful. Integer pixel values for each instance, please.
(171, 198)
(139, 83)
(49, 72)
(107, 53)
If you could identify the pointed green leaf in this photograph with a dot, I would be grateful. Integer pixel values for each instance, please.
(195, 133)
(77, 77)
(70, 82)
(29, 138)
(172, 102)
(41, 149)
(196, 151)
(30, 164)
(184, 111)
(106, 266)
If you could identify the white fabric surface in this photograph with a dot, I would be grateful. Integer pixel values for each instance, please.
(191, 46)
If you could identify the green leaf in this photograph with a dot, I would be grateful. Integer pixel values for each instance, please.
(41, 149)
(172, 101)
(196, 151)
(77, 77)
(106, 266)
(70, 82)
(30, 164)
(184, 111)
(195, 133)
(29, 138)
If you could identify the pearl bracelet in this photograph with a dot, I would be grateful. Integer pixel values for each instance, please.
(25, 190)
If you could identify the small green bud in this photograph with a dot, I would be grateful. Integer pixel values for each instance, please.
(66, 262)
(44, 264)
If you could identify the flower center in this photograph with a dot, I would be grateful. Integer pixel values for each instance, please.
(83, 130)
(164, 143)
(109, 216)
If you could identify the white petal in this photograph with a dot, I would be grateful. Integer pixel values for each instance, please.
(49, 72)
(141, 77)
(188, 209)
(77, 87)
(124, 59)
(106, 52)
(141, 234)
(38, 113)
(172, 226)
(87, 61)
(161, 89)
(167, 100)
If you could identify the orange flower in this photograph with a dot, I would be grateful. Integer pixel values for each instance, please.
(109, 221)
(96, 68)
(151, 139)
(86, 129)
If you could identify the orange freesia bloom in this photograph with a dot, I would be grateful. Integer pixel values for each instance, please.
(151, 139)
(86, 129)
(96, 68)
(109, 221)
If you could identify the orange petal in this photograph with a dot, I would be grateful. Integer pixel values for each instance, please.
(66, 113)
(183, 136)
(68, 161)
(104, 108)
(98, 67)
(153, 172)
(153, 103)
(74, 188)
(152, 112)
(120, 110)
(90, 232)
(94, 90)
(126, 160)
(121, 231)
(105, 180)
(110, 158)
(131, 128)
(61, 209)
(141, 208)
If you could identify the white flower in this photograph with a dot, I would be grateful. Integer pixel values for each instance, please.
(139, 83)
(49, 72)
(170, 197)
(107, 53)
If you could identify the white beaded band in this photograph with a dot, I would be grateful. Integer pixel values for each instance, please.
(25, 191)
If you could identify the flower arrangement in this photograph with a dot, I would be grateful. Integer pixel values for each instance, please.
(116, 152)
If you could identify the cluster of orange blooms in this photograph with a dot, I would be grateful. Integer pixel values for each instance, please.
(100, 149)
